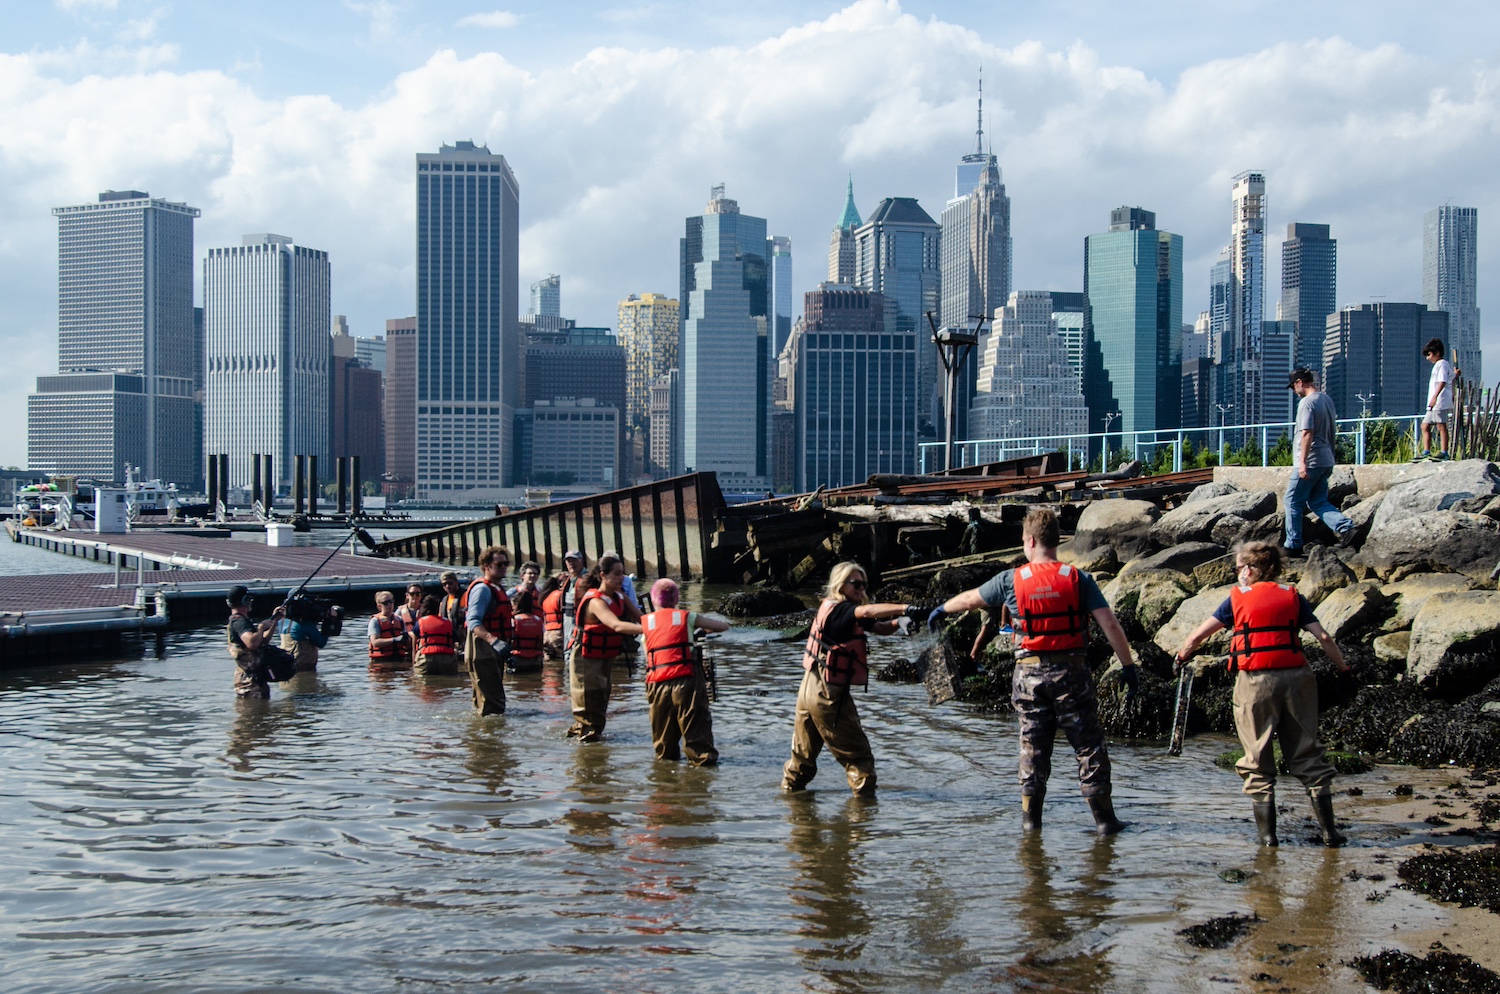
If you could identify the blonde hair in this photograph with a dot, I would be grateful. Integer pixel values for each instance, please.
(840, 576)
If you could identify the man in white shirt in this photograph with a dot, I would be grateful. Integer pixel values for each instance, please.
(1439, 401)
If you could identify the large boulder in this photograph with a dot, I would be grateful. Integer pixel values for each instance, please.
(1188, 616)
(1363, 514)
(1100, 559)
(1353, 609)
(1341, 485)
(1439, 491)
(759, 602)
(1146, 598)
(1194, 521)
(1453, 640)
(1218, 572)
(1433, 541)
(1209, 491)
(1123, 525)
(1411, 593)
(1183, 558)
(1322, 574)
(1392, 648)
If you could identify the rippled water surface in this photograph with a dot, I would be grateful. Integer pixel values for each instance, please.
(360, 833)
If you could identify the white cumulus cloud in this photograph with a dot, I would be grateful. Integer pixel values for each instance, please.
(493, 19)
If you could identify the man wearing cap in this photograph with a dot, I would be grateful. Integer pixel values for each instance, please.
(575, 564)
(1312, 464)
(246, 641)
(451, 607)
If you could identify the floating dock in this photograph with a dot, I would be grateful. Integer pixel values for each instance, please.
(161, 577)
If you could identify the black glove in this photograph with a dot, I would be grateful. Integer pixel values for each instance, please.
(935, 619)
(401, 639)
(1131, 676)
(916, 613)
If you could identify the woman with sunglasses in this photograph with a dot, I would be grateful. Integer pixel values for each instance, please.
(836, 661)
(1275, 692)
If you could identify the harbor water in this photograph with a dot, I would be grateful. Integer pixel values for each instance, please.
(371, 833)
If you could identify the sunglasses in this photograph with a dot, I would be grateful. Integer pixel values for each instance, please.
(859, 584)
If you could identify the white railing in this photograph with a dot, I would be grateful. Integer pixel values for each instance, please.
(1145, 444)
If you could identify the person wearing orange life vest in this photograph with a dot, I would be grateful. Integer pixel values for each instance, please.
(835, 660)
(434, 652)
(488, 620)
(598, 640)
(676, 689)
(1275, 691)
(551, 597)
(1050, 604)
(527, 630)
(408, 612)
(389, 644)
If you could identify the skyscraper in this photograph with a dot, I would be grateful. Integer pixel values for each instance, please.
(266, 319)
(1026, 385)
(724, 342)
(546, 297)
(841, 242)
(975, 265)
(1247, 270)
(401, 401)
(897, 254)
(1450, 269)
(853, 388)
(1373, 357)
(356, 401)
(125, 315)
(468, 334)
(780, 254)
(1309, 289)
(1278, 343)
(648, 330)
(1132, 323)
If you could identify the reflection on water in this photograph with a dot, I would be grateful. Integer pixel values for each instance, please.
(361, 832)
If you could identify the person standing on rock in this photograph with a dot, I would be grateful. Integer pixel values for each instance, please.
(836, 660)
(1275, 692)
(1050, 604)
(1312, 464)
(1439, 401)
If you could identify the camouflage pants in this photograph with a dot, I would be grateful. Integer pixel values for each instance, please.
(247, 684)
(826, 716)
(1051, 691)
(1283, 704)
(486, 672)
(304, 652)
(679, 710)
(588, 687)
(435, 664)
(552, 644)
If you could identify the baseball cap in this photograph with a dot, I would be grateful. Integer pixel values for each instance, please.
(1302, 375)
(448, 574)
(238, 595)
(574, 554)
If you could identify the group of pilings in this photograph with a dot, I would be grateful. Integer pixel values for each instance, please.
(663, 528)
(348, 487)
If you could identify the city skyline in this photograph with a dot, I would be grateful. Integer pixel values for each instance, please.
(261, 154)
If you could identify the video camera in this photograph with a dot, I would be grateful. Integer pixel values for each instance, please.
(308, 610)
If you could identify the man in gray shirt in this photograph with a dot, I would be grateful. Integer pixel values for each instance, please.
(1312, 464)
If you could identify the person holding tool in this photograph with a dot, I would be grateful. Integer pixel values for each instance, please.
(247, 643)
(836, 660)
(598, 641)
(390, 645)
(676, 686)
(1275, 692)
(1050, 603)
(488, 620)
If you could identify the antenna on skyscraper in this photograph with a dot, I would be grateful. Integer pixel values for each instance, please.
(979, 132)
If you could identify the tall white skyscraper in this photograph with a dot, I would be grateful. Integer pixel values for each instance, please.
(976, 265)
(546, 297)
(266, 315)
(126, 342)
(1247, 266)
(1450, 270)
(841, 242)
(468, 322)
(1026, 386)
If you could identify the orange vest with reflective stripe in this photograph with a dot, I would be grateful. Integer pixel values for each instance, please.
(669, 645)
(388, 628)
(843, 664)
(599, 641)
(497, 620)
(1265, 628)
(1049, 608)
(527, 640)
(434, 636)
(552, 610)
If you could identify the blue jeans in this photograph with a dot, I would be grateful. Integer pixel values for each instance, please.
(1311, 494)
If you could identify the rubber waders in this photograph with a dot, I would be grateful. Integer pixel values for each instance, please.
(1322, 802)
(1265, 821)
(1031, 811)
(1105, 822)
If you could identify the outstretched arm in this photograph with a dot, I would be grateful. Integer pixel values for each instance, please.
(1195, 639)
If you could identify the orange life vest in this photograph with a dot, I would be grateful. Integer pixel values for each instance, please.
(526, 642)
(669, 645)
(497, 620)
(1049, 608)
(843, 664)
(434, 636)
(1265, 628)
(407, 617)
(599, 641)
(388, 628)
(552, 610)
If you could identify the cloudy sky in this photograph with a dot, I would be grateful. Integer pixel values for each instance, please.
(304, 119)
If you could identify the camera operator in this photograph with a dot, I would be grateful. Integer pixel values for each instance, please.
(390, 645)
(246, 641)
(309, 624)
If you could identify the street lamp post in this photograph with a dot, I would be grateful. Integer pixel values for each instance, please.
(954, 346)
(1109, 419)
(1224, 410)
(1364, 415)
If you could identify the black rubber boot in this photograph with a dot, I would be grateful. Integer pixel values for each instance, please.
(1265, 822)
(1322, 804)
(1031, 811)
(1105, 822)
